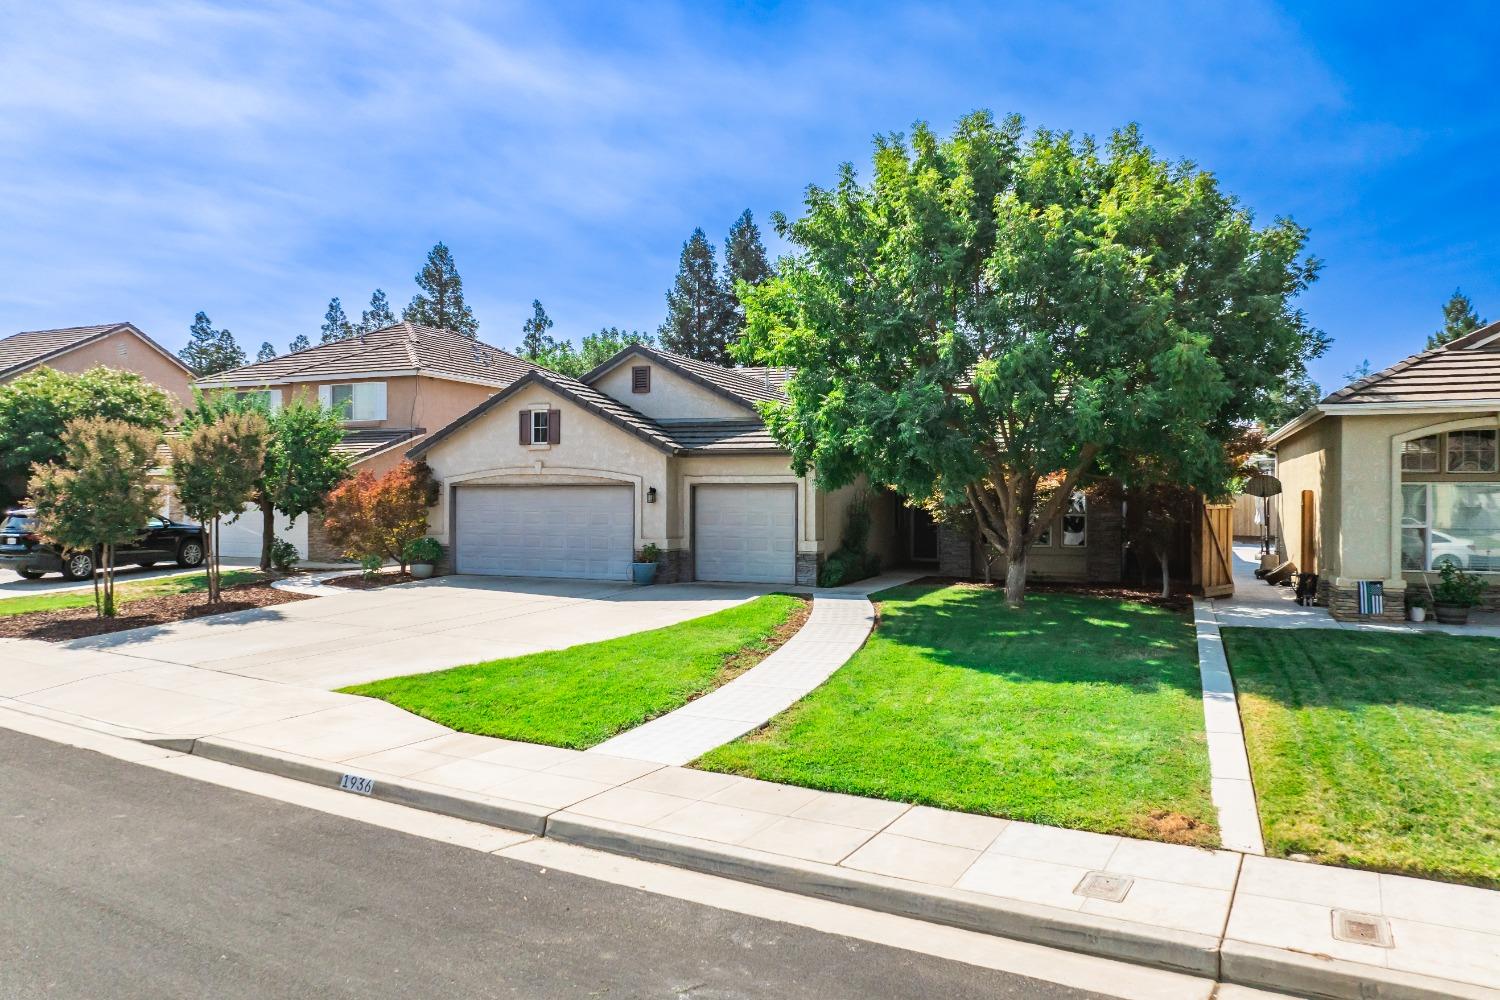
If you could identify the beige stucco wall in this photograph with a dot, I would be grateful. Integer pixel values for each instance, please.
(410, 401)
(672, 397)
(127, 352)
(1354, 460)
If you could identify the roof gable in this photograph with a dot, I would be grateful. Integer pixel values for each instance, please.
(1465, 369)
(744, 387)
(21, 351)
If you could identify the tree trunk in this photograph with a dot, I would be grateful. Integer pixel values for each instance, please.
(1166, 572)
(109, 580)
(98, 598)
(1015, 576)
(267, 533)
(212, 554)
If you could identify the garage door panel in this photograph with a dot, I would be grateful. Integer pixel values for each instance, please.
(575, 532)
(745, 534)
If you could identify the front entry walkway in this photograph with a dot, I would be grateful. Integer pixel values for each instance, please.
(841, 619)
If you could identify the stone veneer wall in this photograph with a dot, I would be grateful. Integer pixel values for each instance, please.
(675, 566)
(1343, 604)
(320, 549)
(955, 552)
(1105, 554)
(807, 569)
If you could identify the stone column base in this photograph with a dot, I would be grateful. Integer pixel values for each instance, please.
(1343, 604)
(807, 569)
(675, 566)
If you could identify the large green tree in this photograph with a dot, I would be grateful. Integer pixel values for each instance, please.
(1459, 318)
(35, 407)
(209, 350)
(100, 496)
(336, 325)
(993, 315)
(299, 343)
(266, 352)
(216, 467)
(700, 312)
(744, 260)
(536, 342)
(597, 348)
(441, 300)
(379, 315)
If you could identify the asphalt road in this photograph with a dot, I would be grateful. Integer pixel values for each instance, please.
(122, 881)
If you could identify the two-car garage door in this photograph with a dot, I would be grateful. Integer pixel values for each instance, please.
(575, 532)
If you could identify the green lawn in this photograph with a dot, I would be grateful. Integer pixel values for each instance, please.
(190, 584)
(1076, 711)
(583, 695)
(1375, 750)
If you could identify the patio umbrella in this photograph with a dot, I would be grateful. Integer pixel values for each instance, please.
(1265, 487)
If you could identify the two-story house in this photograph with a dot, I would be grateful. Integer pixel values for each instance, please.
(392, 386)
(110, 345)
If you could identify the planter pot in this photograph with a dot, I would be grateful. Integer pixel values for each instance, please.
(1452, 614)
(643, 573)
(421, 571)
(1416, 613)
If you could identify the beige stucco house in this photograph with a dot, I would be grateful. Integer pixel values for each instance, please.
(1396, 474)
(554, 476)
(392, 386)
(111, 345)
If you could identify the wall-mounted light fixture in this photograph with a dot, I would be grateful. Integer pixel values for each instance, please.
(651, 495)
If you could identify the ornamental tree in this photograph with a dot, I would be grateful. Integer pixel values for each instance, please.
(36, 406)
(216, 466)
(378, 517)
(100, 498)
(992, 316)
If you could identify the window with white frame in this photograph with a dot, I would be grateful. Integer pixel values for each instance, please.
(1420, 454)
(1473, 451)
(539, 426)
(267, 399)
(355, 401)
(1075, 521)
(1457, 523)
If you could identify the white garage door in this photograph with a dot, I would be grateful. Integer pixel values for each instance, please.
(240, 538)
(745, 534)
(577, 532)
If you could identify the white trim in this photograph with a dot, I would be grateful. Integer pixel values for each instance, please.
(1304, 419)
(808, 524)
(1445, 406)
(297, 378)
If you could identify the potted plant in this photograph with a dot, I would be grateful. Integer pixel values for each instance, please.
(1456, 592)
(422, 556)
(1416, 608)
(643, 570)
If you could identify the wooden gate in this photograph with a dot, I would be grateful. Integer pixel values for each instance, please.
(1215, 555)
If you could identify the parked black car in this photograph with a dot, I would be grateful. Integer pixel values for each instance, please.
(160, 540)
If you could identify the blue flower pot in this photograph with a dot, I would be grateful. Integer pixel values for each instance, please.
(643, 573)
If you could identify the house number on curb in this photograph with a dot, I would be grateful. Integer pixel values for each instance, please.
(357, 783)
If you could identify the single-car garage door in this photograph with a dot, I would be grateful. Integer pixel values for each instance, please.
(240, 538)
(745, 534)
(577, 532)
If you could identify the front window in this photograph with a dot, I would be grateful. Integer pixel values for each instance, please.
(1457, 523)
(356, 401)
(1472, 451)
(265, 399)
(1075, 521)
(1420, 455)
(538, 426)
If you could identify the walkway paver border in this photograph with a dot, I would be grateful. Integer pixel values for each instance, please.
(1229, 763)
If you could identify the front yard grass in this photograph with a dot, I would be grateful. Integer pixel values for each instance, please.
(585, 694)
(193, 583)
(1375, 750)
(1079, 710)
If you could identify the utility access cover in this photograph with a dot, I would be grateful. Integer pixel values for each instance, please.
(1104, 885)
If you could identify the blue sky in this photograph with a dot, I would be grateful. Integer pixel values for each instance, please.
(254, 160)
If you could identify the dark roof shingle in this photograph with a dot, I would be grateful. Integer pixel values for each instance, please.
(25, 350)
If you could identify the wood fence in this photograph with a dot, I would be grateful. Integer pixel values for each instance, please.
(1215, 569)
(1247, 509)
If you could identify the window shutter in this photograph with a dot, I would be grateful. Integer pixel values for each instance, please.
(325, 396)
(554, 426)
(525, 426)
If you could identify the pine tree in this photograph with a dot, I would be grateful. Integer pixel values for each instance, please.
(266, 352)
(378, 316)
(744, 260)
(441, 303)
(1459, 318)
(299, 343)
(700, 313)
(210, 351)
(336, 325)
(535, 341)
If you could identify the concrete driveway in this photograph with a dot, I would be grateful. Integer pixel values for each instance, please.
(330, 642)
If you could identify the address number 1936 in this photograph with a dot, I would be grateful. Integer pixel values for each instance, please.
(357, 783)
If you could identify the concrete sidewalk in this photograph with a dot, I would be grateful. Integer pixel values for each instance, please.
(1255, 921)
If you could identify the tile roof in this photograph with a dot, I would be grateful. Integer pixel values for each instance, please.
(401, 347)
(364, 441)
(25, 350)
(746, 386)
(720, 436)
(1464, 369)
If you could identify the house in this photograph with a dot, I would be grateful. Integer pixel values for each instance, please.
(112, 345)
(1394, 475)
(561, 477)
(391, 385)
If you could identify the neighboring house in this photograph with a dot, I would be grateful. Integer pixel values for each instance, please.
(112, 345)
(1394, 475)
(563, 477)
(392, 386)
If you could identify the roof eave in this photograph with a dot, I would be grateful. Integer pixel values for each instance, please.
(599, 371)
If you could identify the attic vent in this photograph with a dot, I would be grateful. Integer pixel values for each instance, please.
(122, 349)
(640, 378)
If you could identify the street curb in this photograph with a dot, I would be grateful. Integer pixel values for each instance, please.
(1306, 974)
(520, 816)
(1177, 951)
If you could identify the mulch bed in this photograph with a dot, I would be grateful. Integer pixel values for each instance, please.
(378, 581)
(79, 623)
(1177, 602)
